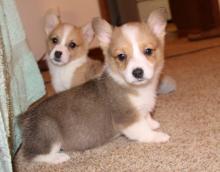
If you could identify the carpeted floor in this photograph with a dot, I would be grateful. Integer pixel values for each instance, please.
(191, 115)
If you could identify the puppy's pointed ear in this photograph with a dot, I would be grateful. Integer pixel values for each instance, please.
(157, 21)
(103, 31)
(88, 33)
(51, 21)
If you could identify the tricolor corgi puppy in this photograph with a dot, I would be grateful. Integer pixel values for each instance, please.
(67, 55)
(117, 103)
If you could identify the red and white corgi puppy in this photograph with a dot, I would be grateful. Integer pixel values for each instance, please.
(67, 55)
(117, 103)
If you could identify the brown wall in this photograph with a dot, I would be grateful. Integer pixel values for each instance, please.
(195, 16)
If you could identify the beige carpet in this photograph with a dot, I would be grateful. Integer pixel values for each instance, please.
(191, 116)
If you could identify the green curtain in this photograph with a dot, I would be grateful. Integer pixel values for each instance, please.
(20, 81)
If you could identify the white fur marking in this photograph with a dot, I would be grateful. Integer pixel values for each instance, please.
(62, 76)
(145, 100)
(141, 132)
(66, 32)
(54, 157)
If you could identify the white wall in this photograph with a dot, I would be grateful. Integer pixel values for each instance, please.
(146, 6)
(77, 12)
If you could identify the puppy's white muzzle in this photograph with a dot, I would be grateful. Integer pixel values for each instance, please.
(60, 55)
(138, 73)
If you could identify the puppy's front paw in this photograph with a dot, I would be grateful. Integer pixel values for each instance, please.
(159, 137)
(153, 124)
(156, 137)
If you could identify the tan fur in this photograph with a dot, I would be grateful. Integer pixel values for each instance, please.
(89, 70)
(147, 40)
(120, 45)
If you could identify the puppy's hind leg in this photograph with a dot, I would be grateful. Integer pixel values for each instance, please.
(141, 131)
(54, 156)
(42, 141)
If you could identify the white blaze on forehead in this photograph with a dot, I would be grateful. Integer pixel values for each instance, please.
(130, 32)
(66, 31)
(138, 59)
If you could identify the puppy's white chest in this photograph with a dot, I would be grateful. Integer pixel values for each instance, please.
(62, 76)
(144, 100)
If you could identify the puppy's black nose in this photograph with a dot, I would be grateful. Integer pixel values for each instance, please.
(138, 73)
(57, 55)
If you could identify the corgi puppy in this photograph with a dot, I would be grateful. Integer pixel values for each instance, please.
(67, 59)
(117, 103)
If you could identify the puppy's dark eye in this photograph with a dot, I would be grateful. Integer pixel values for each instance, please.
(148, 51)
(122, 56)
(54, 40)
(72, 45)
